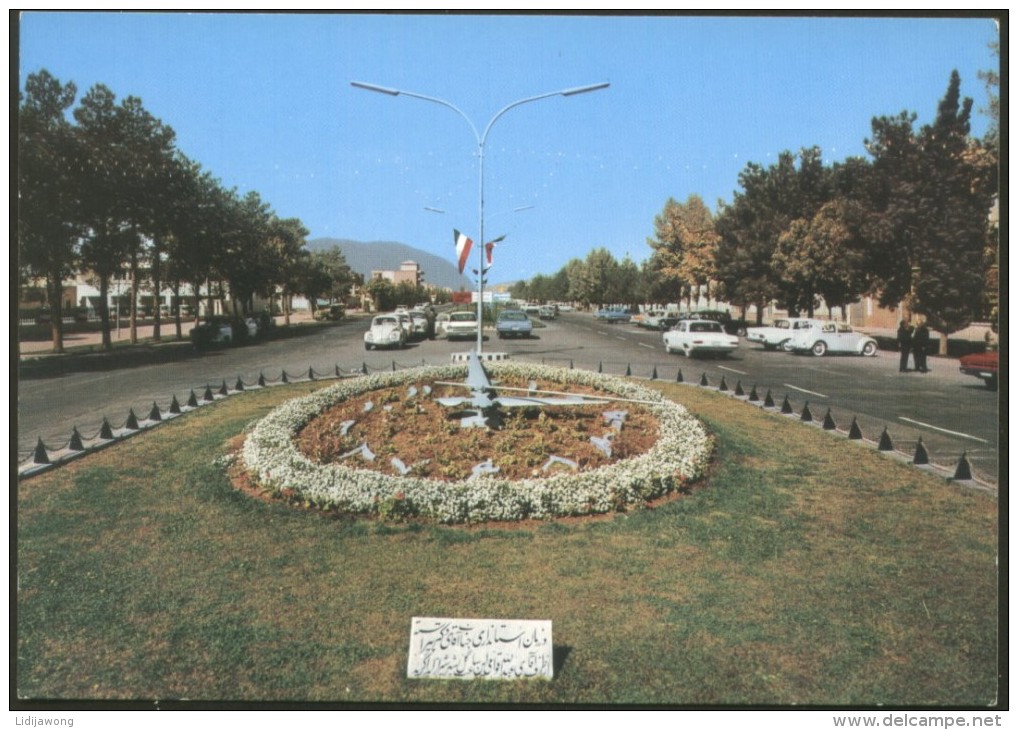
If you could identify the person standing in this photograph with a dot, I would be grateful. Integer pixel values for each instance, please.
(904, 346)
(920, 346)
(431, 316)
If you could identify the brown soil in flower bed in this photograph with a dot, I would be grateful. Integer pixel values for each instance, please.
(427, 437)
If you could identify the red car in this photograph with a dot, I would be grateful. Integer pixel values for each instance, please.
(983, 365)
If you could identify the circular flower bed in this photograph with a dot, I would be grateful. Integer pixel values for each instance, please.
(679, 456)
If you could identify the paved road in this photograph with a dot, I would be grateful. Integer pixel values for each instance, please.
(952, 413)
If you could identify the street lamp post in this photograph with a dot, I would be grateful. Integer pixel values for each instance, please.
(480, 140)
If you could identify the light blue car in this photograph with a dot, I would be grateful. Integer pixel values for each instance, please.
(513, 323)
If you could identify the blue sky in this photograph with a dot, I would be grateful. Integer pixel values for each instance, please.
(264, 102)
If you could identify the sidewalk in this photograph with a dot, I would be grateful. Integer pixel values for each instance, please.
(167, 331)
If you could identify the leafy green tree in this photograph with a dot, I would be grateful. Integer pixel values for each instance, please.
(820, 257)
(306, 275)
(147, 191)
(597, 281)
(248, 262)
(340, 275)
(931, 214)
(48, 215)
(383, 294)
(103, 179)
(749, 228)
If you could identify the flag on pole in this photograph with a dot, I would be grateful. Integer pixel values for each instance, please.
(489, 247)
(463, 245)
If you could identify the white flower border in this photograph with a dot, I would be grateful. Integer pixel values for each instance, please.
(680, 455)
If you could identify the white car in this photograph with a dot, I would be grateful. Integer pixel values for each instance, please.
(699, 337)
(833, 337)
(405, 321)
(656, 317)
(779, 334)
(546, 312)
(419, 321)
(460, 325)
(386, 331)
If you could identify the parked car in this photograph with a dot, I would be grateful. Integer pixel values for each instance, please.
(331, 313)
(731, 325)
(386, 331)
(612, 316)
(983, 365)
(459, 325)
(531, 310)
(513, 323)
(404, 319)
(780, 333)
(821, 338)
(653, 318)
(419, 323)
(699, 337)
(546, 312)
(667, 322)
(215, 332)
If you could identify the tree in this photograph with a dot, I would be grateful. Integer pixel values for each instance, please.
(685, 245)
(596, 281)
(383, 294)
(341, 277)
(750, 228)
(48, 228)
(931, 213)
(103, 179)
(820, 257)
(147, 191)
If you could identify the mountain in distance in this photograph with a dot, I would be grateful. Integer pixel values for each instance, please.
(365, 257)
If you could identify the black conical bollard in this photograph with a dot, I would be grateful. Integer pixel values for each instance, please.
(807, 414)
(393, 367)
(786, 407)
(284, 378)
(963, 471)
(192, 401)
(738, 389)
(40, 456)
(753, 396)
(261, 379)
(338, 374)
(653, 375)
(207, 396)
(240, 384)
(629, 371)
(174, 406)
(854, 432)
(768, 400)
(885, 441)
(311, 373)
(829, 424)
(703, 380)
(223, 390)
(154, 414)
(76, 444)
(920, 457)
(678, 378)
(724, 386)
(106, 431)
(600, 366)
(132, 421)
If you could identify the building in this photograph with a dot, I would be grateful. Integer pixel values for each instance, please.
(409, 272)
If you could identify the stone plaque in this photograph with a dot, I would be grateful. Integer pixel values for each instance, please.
(476, 648)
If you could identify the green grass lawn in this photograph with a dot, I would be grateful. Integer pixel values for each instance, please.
(808, 570)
